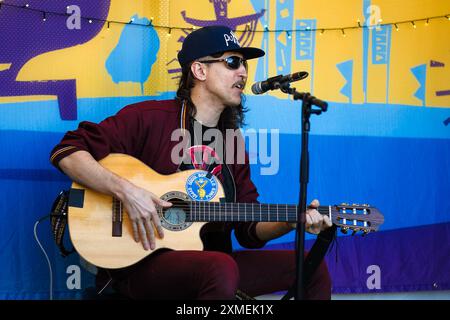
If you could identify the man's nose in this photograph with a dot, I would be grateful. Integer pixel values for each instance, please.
(242, 71)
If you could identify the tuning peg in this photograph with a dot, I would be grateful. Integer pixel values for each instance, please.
(344, 204)
(344, 230)
(355, 205)
(355, 231)
(365, 205)
(365, 232)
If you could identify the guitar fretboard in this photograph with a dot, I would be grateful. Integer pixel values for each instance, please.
(236, 212)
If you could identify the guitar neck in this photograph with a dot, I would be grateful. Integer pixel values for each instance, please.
(236, 212)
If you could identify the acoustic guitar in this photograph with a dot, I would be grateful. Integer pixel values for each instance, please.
(101, 230)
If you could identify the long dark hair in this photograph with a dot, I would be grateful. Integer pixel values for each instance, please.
(231, 117)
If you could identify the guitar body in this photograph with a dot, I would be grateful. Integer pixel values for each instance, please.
(102, 233)
(90, 216)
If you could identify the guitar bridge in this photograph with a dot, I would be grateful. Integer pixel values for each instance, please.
(117, 217)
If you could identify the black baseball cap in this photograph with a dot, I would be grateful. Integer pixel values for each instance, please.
(210, 40)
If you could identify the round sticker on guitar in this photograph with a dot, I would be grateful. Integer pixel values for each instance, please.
(201, 186)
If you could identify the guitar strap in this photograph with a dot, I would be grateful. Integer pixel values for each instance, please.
(58, 218)
(315, 257)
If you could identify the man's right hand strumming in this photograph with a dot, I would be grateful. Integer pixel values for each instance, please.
(139, 203)
(141, 206)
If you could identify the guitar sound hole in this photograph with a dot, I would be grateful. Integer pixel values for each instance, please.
(176, 217)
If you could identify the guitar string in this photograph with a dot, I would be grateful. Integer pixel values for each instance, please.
(291, 215)
(288, 216)
(283, 210)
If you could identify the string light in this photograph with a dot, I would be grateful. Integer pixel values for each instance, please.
(247, 26)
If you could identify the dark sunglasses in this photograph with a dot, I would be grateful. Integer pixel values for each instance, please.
(232, 62)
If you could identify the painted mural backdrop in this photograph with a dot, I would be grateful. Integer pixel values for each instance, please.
(383, 66)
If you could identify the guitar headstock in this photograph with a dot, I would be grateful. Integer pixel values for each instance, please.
(358, 218)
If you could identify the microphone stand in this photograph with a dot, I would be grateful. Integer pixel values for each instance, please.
(308, 102)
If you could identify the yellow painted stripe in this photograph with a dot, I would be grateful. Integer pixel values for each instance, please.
(5, 66)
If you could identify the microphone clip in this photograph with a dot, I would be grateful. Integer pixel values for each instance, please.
(277, 82)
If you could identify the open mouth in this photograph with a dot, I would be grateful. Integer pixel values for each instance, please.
(239, 85)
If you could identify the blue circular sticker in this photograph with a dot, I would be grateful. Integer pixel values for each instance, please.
(201, 188)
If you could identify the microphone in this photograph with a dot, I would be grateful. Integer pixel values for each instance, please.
(276, 82)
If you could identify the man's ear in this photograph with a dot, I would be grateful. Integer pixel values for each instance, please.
(198, 71)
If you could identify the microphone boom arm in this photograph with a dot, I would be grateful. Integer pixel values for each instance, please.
(285, 87)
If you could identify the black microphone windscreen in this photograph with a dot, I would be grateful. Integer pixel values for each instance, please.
(256, 88)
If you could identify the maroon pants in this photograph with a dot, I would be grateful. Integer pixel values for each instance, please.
(215, 275)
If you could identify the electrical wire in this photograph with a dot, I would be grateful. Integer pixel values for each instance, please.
(45, 254)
